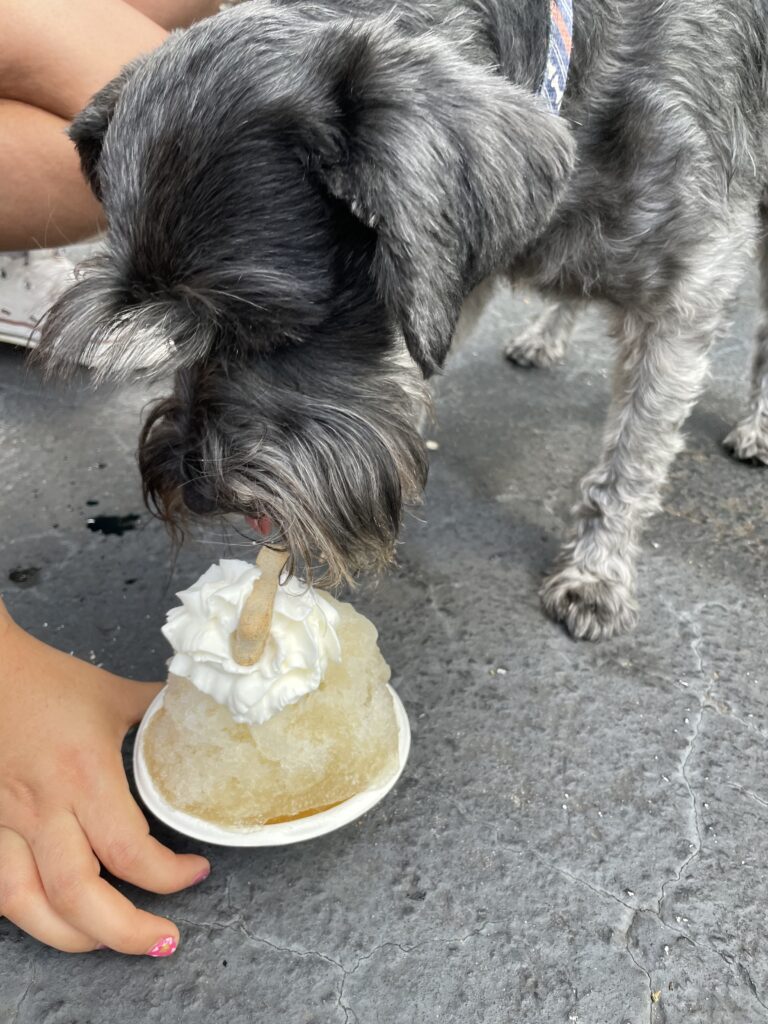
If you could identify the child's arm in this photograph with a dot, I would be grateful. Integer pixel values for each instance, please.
(65, 806)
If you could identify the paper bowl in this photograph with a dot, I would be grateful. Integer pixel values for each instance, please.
(283, 833)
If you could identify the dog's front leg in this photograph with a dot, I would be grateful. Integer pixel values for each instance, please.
(659, 374)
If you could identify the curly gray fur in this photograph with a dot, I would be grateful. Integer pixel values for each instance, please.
(296, 192)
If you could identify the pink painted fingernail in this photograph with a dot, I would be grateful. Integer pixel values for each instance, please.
(163, 947)
(201, 877)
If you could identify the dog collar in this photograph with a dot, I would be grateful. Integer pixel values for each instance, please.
(558, 53)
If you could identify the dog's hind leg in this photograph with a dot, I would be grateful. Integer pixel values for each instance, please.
(660, 372)
(749, 438)
(544, 341)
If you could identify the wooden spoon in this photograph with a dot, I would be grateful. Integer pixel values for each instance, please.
(250, 637)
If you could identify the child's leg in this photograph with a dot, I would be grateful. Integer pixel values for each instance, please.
(176, 13)
(55, 54)
(44, 200)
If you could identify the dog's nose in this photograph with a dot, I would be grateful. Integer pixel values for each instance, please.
(198, 503)
(196, 495)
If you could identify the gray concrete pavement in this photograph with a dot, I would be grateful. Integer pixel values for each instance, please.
(580, 835)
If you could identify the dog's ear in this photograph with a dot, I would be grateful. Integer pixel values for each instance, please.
(454, 167)
(89, 127)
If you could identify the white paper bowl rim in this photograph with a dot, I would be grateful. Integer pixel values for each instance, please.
(283, 833)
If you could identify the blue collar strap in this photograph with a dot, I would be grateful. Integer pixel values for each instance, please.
(558, 54)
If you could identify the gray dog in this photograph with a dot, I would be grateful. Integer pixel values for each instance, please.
(300, 198)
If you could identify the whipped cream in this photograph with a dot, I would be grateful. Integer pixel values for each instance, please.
(302, 641)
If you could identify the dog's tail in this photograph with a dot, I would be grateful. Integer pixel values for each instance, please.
(98, 323)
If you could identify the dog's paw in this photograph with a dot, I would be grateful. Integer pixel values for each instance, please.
(536, 347)
(748, 442)
(589, 607)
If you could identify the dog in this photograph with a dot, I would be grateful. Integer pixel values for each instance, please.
(301, 197)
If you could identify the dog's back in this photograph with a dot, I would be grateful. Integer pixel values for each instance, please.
(668, 107)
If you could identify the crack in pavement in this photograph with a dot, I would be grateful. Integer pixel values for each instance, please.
(697, 843)
(638, 965)
(405, 950)
(23, 998)
(748, 793)
(705, 703)
(239, 921)
(708, 702)
(744, 972)
(582, 881)
(634, 910)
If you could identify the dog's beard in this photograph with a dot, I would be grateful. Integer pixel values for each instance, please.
(333, 465)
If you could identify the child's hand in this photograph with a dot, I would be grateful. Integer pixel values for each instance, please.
(65, 805)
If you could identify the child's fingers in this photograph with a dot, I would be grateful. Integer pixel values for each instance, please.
(124, 846)
(70, 877)
(23, 900)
